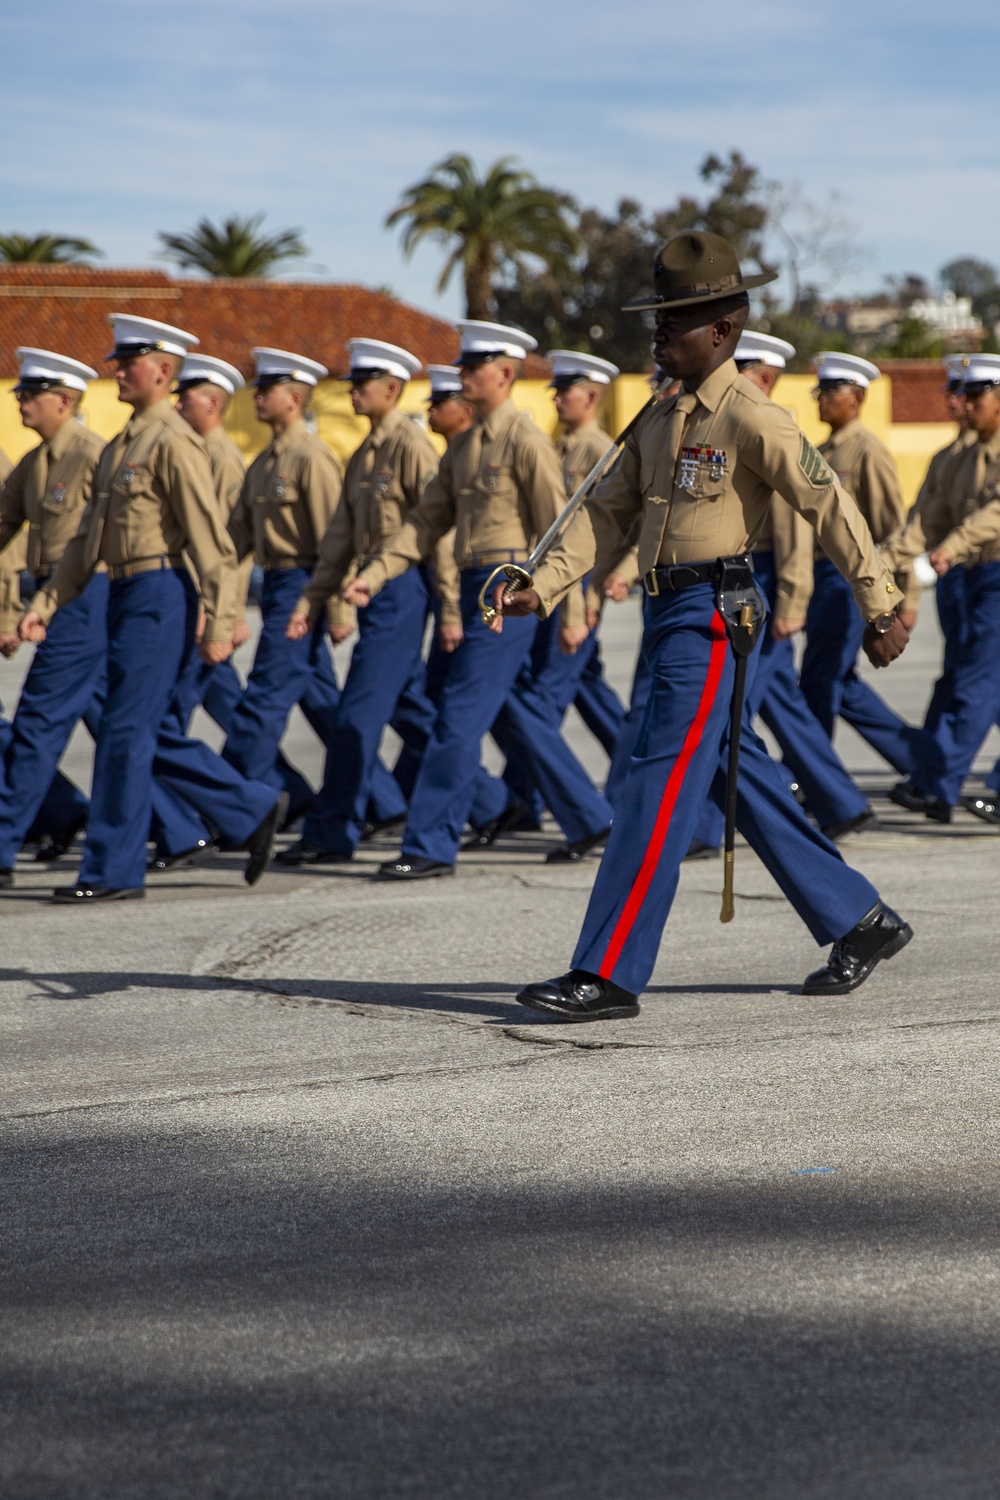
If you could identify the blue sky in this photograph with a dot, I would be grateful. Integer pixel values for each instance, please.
(119, 119)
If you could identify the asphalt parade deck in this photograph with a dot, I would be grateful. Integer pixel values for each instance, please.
(298, 1202)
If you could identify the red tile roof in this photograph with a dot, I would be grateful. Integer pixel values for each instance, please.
(65, 308)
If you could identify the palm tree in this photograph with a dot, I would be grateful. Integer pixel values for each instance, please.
(235, 249)
(488, 222)
(45, 249)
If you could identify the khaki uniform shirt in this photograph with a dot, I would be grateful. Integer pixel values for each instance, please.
(5, 466)
(578, 453)
(699, 471)
(49, 490)
(152, 498)
(289, 497)
(789, 538)
(928, 523)
(385, 480)
(499, 485)
(228, 474)
(866, 469)
(972, 505)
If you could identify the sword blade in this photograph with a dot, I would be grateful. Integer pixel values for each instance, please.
(545, 544)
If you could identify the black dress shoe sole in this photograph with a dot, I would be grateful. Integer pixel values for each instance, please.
(573, 1013)
(87, 896)
(292, 861)
(864, 823)
(896, 945)
(983, 808)
(372, 830)
(261, 843)
(571, 854)
(179, 861)
(910, 800)
(433, 873)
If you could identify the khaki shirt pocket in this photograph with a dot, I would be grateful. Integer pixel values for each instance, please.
(135, 518)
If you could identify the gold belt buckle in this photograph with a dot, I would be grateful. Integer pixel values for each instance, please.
(652, 584)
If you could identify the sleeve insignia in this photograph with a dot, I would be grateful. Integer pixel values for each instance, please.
(813, 465)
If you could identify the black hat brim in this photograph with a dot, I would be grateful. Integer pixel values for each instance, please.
(655, 301)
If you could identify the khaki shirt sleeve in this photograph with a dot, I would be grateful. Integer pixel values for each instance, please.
(75, 567)
(981, 528)
(597, 533)
(418, 537)
(187, 480)
(323, 481)
(792, 543)
(883, 498)
(12, 560)
(786, 460)
(336, 552)
(539, 475)
(446, 580)
(12, 512)
(240, 523)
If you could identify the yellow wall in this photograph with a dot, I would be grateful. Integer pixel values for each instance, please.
(911, 444)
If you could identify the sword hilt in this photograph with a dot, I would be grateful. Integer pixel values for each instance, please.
(518, 578)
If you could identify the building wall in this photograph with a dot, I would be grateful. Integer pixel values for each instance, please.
(911, 443)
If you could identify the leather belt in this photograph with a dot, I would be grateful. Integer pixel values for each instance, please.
(489, 559)
(286, 564)
(669, 579)
(42, 575)
(118, 571)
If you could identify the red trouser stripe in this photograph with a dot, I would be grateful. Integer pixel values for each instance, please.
(641, 884)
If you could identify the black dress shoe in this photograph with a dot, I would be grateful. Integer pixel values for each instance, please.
(304, 853)
(370, 829)
(201, 850)
(698, 850)
(905, 794)
(410, 867)
(579, 996)
(797, 793)
(880, 934)
(938, 810)
(986, 807)
(6, 878)
(260, 844)
(509, 821)
(86, 895)
(568, 854)
(865, 822)
(54, 845)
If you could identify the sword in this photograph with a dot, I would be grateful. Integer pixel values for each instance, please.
(519, 574)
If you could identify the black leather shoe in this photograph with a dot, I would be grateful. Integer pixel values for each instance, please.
(370, 829)
(880, 934)
(410, 867)
(54, 845)
(986, 807)
(698, 850)
(905, 794)
(304, 853)
(568, 854)
(6, 878)
(865, 822)
(86, 895)
(797, 793)
(579, 996)
(508, 822)
(260, 844)
(938, 810)
(201, 850)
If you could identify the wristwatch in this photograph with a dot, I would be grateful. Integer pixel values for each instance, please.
(882, 624)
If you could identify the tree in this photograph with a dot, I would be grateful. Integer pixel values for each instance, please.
(967, 277)
(578, 305)
(912, 339)
(503, 221)
(46, 249)
(234, 249)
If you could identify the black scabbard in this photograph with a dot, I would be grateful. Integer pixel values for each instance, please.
(743, 612)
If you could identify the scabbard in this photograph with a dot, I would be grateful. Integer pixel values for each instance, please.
(732, 789)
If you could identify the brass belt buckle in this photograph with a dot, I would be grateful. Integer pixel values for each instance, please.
(652, 584)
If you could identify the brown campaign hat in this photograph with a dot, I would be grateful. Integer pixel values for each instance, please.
(695, 267)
